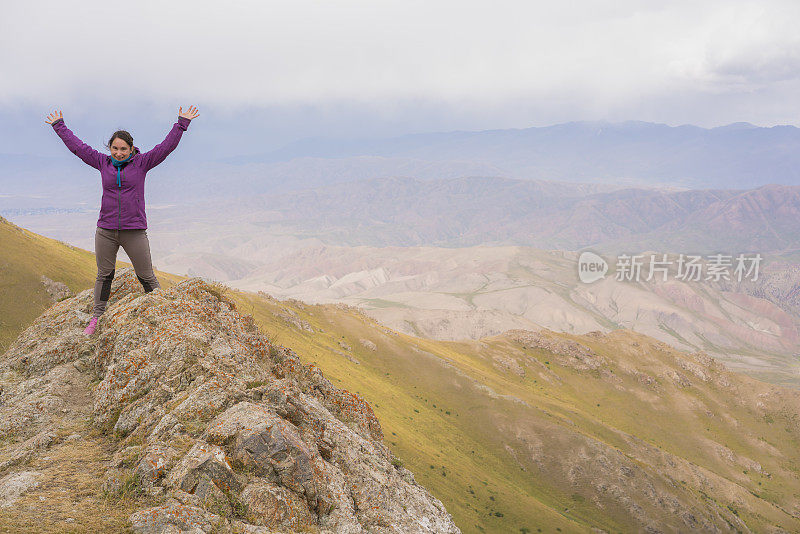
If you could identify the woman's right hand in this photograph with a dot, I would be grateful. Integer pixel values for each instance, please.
(53, 117)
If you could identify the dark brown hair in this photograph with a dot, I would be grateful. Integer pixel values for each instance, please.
(121, 134)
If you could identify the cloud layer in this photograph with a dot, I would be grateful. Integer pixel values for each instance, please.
(708, 62)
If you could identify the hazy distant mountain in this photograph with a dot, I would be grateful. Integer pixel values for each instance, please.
(739, 155)
(282, 244)
(320, 202)
(473, 211)
(475, 292)
(609, 155)
(33, 183)
(766, 219)
(467, 211)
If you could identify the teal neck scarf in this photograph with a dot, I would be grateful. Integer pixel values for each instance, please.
(118, 164)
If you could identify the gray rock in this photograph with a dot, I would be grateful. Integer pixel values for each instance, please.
(15, 484)
(268, 446)
(172, 518)
(56, 290)
(203, 461)
(155, 463)
(276, 507)
(368, 344)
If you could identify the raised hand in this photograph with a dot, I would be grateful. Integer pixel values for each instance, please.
(53, 117)
(189, 113)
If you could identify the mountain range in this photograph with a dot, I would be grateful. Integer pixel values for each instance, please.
(478, 256)
(735, 156)
(472, 211)
(629, 154)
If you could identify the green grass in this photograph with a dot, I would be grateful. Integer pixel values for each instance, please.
(25, 258)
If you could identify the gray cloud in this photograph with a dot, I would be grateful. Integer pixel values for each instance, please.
(500, 63)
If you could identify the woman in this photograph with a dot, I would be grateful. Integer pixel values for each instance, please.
(122, 219)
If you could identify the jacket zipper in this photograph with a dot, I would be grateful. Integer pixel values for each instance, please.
(119, 201)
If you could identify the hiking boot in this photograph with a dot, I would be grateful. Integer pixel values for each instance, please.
(92, 325)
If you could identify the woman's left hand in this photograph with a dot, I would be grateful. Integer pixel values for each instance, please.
(190, 113)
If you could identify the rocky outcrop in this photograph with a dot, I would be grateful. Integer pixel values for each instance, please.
(230, 432)
(566, 352)
(56, 290)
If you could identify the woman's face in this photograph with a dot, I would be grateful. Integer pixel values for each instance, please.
(120, 149)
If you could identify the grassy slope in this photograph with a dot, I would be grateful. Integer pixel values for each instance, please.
(472, 449)
(24, 258)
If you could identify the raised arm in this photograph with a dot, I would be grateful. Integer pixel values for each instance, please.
(159, 152)
(89, 155)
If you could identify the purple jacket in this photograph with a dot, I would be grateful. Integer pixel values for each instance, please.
(122, 207)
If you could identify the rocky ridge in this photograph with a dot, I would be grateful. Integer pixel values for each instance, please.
(226, 431)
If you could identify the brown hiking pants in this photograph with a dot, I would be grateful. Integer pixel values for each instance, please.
(136, 246)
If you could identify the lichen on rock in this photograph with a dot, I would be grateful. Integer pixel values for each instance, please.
(173, 371)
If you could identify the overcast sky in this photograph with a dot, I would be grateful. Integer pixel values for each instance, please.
(302, 68)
